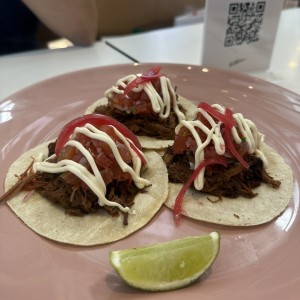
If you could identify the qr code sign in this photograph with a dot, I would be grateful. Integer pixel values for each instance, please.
(244, 23)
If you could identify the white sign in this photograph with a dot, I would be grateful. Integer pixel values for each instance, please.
(239, 35)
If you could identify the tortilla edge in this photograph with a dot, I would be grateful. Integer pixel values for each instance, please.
(157, 199)
(239, 217)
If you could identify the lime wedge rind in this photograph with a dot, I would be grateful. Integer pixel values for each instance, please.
(167, 266)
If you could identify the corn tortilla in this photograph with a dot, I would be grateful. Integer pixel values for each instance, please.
(267, 205)
(50, 220)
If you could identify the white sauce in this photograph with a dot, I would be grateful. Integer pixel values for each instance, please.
(245, 126)
(94, 179)
(160, 105)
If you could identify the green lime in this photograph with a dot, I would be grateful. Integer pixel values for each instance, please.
(167, 266)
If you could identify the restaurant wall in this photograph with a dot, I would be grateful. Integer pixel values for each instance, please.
(126, 16)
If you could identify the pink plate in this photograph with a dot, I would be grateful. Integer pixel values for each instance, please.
(260, 262)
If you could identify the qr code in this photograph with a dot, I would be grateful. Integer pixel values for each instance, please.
(244, 23)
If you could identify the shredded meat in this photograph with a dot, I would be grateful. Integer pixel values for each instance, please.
(147, 125)
(232, 181)
(76, 200)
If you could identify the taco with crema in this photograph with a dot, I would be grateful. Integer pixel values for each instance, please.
(148, 105)
(92, 185)
(221, 171)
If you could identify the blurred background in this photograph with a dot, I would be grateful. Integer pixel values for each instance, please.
(121, 17)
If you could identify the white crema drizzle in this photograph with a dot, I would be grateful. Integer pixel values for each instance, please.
(94, 179)
(246, 127)
(160, 105)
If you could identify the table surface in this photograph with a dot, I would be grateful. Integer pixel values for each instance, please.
(184, 45)
(180, 45)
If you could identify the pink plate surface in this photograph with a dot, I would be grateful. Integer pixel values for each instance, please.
(254, 263)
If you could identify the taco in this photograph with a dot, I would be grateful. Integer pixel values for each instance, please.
(90, 186)
(221, 171)
(148, 105)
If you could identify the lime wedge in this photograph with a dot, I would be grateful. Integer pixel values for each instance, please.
(167, 266)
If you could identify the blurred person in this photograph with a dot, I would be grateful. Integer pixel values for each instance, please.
(75, 20)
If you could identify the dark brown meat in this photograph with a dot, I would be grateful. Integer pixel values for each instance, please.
(232, 181)
(76, 201)
(146, 125)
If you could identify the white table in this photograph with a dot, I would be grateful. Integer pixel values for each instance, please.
(18, 71)
(183, 45)
(172, 45)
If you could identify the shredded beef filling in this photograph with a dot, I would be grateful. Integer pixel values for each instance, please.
(78, 201)
(143, 125)
(232, 181)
